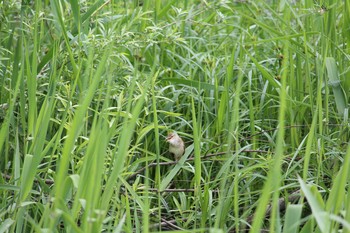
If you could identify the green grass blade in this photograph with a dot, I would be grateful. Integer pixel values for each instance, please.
(166, 180)
(334, 82)
(75, 129)
(292, 219)
(317, 206)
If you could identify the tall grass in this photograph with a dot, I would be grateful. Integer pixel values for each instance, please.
(257, 89)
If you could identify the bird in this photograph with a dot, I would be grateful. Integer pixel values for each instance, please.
(176, 145)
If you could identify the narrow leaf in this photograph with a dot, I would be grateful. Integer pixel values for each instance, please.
(334, 82)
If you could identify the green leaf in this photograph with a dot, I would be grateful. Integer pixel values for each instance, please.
(292, 219)
(335, 84)
(75, 180)
(317, 206)
(265, 73)
(5, 225)
(76, 11)
(193, 83)
(27, 173)
(174, 171)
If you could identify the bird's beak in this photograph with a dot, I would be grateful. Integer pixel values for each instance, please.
(169, 137)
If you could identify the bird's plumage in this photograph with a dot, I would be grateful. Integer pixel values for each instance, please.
(176, 145)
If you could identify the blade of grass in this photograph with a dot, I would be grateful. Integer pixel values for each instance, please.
(197, 149)
(292, 219)
(317, 206)
(73, 132)
(272, 183)
(124, 142)
(336, 199)
(334, 82)
(165, 181)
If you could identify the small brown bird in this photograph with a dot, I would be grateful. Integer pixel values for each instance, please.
(176, 145)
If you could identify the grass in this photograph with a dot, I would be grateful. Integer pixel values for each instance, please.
(257, 89)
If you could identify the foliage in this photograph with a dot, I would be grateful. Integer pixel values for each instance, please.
(257, 89)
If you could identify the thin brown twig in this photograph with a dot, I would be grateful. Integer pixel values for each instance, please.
(172, 190)
(51, 182)
(169, 223)
(165, 222)
(46, 181)
(187, 160)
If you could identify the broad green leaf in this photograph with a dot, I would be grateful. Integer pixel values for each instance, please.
(5, 225)
(174, 171)
(334, 82)
(316, 203)
(292, 218)
(76, 12)
(27, 173)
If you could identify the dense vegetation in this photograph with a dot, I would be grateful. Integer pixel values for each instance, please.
(257, 90)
